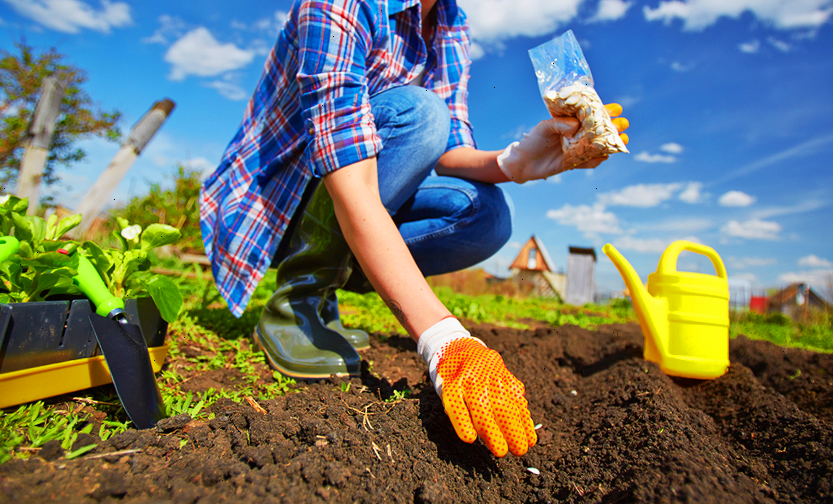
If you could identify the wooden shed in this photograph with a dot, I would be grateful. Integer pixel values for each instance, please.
(795, 300)
(533, 264)
(581, 276)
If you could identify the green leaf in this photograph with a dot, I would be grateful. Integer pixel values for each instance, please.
(159, 235)
(99, 259)
(19, 205)
(22, 228)
(25, 250)
(122, 222)
(38, 229)
(166, 296)
(66, 224)
(50, 226)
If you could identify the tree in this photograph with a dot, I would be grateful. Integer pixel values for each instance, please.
(21, 76)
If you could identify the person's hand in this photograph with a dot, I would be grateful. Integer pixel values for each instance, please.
(539, 154)
(481, 397)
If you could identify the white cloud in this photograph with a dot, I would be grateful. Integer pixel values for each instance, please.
(750, 47)
(749, 262)
(754, 229)
(170, 27)
(647, 157)
(819, 278)
(807, 205)
(736, 199)
(271, 25)
(672, 148)
(782, 14)
(199, 53)
(555, 179)
(691, 194)
(814, 261)
(71, 16)
(686, 225)
(494, 20)
(681, 67)
(476, 51)
(589, 220)
(747, 277)
(515, 245)
(779, 44)
(611, 10)
(229, 90)
(642, 244)
(640, 195)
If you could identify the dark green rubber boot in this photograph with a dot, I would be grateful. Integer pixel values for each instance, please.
(329, 315)
(290, 331)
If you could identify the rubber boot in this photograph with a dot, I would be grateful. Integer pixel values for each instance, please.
(290, 330)
(329, 315)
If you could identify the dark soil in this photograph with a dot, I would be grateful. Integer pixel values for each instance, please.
(614, 428)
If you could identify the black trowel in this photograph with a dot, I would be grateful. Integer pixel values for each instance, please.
(124, 349)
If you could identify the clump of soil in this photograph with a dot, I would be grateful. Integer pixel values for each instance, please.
(614, 428)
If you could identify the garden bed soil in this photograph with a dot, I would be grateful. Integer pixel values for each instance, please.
(614, 428)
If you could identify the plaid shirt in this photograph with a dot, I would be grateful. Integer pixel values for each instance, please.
(310, 115)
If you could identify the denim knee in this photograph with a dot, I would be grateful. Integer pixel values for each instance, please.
(418, 113)
(497, 209)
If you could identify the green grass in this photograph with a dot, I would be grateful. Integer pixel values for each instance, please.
(779, 329)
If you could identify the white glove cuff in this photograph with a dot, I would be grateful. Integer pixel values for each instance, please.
(432, 341)
(508, 160)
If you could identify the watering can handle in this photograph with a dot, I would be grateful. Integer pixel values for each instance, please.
(668, 261)
(8, 246)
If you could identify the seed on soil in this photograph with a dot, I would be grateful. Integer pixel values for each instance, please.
(533, 470)
(538, 426)
(573, 393)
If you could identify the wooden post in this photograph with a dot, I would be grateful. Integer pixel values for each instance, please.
(99, 193)
(39, 137)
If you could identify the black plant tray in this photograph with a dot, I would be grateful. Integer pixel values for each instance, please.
(48, 332)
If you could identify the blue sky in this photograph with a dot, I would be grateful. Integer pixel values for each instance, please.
(729, 103)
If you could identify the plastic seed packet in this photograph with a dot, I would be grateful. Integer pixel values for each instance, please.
(566, 85)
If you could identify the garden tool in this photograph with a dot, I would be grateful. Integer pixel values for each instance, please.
(124, 349)
(291, 331)
(684, 316)
(8, 246)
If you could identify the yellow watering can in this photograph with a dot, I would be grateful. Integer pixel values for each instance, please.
(684, 316)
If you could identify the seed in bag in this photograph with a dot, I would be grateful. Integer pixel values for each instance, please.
(596, 136)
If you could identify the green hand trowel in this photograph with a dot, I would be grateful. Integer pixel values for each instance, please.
(8, 246)
(124, 349)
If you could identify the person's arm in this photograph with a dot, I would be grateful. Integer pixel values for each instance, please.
(481, 397)
(380, 249)
(539, 155)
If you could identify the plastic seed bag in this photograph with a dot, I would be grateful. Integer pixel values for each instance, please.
(566, 86)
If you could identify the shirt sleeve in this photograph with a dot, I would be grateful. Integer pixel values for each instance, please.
(456, 61)
(334, 39)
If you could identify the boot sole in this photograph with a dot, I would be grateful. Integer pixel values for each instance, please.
(294, 374)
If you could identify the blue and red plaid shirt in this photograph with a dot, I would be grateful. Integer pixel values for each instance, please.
(310, 115)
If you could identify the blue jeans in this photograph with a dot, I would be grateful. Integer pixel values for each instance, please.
(448, 223)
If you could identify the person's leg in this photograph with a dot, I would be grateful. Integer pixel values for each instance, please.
(451, 224)
(299, 329)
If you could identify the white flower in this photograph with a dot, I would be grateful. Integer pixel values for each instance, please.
(131, 233)
(4, 198)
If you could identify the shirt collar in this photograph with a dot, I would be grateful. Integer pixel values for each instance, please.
(397, 6)
(449, 7)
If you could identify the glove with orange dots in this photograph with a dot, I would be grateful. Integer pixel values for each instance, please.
(481, 397)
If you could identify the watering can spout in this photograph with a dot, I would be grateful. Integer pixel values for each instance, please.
(652, 312)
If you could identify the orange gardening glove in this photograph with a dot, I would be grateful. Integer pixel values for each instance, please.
(481, 397)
